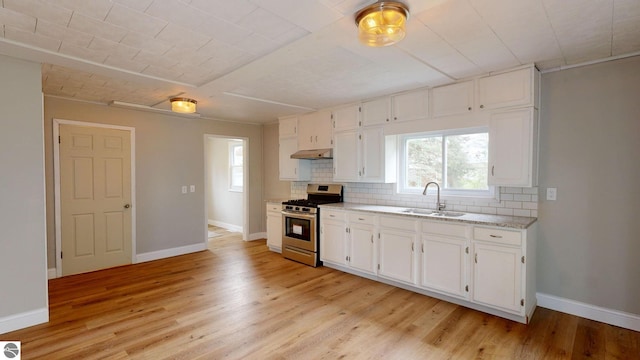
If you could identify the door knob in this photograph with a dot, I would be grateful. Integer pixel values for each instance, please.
(126, 206)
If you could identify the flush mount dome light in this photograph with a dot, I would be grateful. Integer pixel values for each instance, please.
(183, 105)
(382, 23)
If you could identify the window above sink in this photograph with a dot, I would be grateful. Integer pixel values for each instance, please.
(455, 159)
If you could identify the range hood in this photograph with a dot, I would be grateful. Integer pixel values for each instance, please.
(313, 154)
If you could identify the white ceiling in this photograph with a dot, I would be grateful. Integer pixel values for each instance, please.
(256, 60)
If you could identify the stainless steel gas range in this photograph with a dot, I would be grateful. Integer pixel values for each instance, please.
(300, 223)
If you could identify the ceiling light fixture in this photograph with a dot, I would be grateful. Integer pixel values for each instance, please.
(183, 105)
(382, 23)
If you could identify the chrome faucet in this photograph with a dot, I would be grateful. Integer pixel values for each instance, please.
(439, 206)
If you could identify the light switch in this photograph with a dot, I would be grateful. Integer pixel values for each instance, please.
(192, 188)
(184, 189)
(552, 193)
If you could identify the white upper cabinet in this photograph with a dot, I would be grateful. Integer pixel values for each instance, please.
(292, 169)
(513, 88)
(366, 155)
(376, 112)
(513, 139)
(346, 159)
(413, 105)
(314, 131)
(288, 127)
(346, 118)
(454, 99)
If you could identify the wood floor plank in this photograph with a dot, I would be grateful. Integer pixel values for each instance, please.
(241, 301)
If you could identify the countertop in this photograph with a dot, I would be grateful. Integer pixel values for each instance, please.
(278, 201)
(514, 222)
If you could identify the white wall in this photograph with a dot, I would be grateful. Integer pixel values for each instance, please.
(513, 201)
(23, 294)
(225, 207)
(589, 244)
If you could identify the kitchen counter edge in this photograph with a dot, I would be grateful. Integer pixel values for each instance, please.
(505, 221)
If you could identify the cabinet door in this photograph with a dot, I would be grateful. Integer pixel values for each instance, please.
(345, 156)
(412, 105)
(511, 152)
(444, 265)
(376, 112)
(361, 252)
(514, 88)
(314, 131)
(372, 165)
(497, 276)
(292, 169)
(274, 230)
(396, 258)
(346, 118)
(333, 241)
(288, 127)
(454, 99)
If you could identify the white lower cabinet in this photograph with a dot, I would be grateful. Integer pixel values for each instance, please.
(362, 242)
(333, 237)
(444, 257)
(490, 269)
(274, 227)
(497, 276)
(396, 260)
(498, 266)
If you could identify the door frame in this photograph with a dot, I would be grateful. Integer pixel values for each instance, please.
(245, 184)
(56, 180)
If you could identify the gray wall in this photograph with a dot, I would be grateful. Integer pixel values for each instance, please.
(589, 239)
(22, 217)
(169, 154)
(224, 206)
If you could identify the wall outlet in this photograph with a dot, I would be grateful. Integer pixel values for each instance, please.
(552, 193)
(184, 189)
(192, 188)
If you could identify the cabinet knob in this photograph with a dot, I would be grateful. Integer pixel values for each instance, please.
(395, 118)
(481, 106)
(469, 108)
(387, 120)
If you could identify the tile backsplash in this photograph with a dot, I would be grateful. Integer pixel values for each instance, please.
(513, 200)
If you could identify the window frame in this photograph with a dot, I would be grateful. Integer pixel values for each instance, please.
(233, 165)
(490, 193)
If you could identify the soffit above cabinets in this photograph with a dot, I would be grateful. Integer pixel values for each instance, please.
(257, 60)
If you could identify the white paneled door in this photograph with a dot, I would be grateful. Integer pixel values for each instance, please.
(95, 194)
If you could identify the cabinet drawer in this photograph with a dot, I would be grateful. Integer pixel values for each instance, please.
(439, 228)
(274, 207)
(362, 218)
(332, 214)
(498, 236)
(397, 223)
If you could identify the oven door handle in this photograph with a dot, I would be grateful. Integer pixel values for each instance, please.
(299, 215)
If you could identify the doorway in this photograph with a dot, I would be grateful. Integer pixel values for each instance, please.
(94, 196)
(226, 181)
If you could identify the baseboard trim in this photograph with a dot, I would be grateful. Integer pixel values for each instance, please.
(166, 253)
(52, 273)
(588, 311)
(23, 320)
(232, 227)
(257, 236)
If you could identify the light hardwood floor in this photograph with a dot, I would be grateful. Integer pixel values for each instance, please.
(240, 301)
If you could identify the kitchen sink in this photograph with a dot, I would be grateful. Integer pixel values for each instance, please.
(429, 212)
